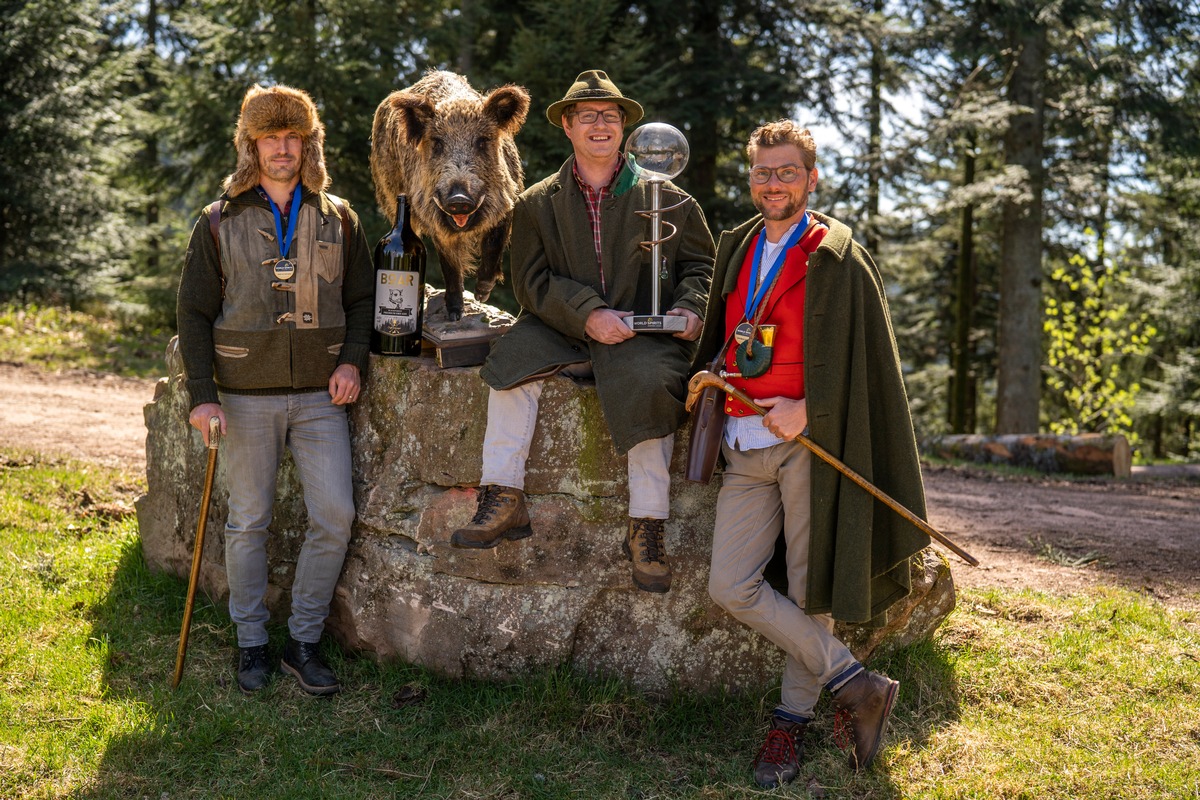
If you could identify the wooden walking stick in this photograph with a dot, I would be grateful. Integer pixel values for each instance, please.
(214, 439)
(704, 379)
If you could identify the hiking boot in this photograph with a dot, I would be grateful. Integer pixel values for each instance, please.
(300, 660)
(644, 546)
(863, 707)
(253, 669)
(778, 760)
(501, 514)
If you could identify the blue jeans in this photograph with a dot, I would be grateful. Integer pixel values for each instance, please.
(318, 436)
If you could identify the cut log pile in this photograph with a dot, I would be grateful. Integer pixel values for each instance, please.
(1082, 454)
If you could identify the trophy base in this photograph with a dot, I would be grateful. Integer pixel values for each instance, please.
(656, 323)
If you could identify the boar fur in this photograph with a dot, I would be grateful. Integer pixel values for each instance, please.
(451, 150)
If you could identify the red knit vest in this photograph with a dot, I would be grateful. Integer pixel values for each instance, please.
(785, 310)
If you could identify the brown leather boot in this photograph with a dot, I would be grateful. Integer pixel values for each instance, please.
(501, 514)
(778, 760)
(864, 705)
(644, 546)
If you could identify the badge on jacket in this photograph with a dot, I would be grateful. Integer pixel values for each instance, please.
(753, 354)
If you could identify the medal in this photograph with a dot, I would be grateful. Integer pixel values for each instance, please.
(743, 332)
(284, 269)
(753, 356)
(752, 362)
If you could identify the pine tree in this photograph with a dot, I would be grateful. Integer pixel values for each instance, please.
(63, 136)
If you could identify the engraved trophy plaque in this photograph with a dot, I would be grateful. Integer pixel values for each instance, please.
(656, 153)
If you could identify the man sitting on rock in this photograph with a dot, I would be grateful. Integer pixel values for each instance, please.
(578, 270)
(799, 316)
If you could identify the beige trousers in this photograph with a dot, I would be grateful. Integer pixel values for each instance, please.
(512, 416)
(763, 492)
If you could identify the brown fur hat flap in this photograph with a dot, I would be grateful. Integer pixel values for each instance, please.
(277, 108)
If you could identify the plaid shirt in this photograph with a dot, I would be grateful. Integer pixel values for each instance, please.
(593, 198)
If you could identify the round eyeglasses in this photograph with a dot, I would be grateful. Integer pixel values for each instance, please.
(588, 117)
(786, 173)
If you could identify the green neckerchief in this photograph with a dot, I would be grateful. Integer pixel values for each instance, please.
(625, 181)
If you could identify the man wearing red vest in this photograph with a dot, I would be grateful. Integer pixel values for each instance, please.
(797, 319)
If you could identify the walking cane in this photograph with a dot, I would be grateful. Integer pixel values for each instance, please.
(703, 379)
(214, 439)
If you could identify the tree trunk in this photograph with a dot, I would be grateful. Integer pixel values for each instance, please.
(1084, 454)
(466, 40)
(962, 418)
(1020, 337)
(875, 132)
(704, 139)
(150, 154)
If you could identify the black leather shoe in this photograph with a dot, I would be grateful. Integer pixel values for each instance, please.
(253, 669)
(301, 660)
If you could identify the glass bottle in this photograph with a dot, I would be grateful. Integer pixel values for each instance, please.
(399, 288)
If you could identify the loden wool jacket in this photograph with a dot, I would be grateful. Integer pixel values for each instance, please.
(641, 382)
(859, 549)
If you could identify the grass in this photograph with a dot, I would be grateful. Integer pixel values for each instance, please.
(1020, 695)
(55, 339)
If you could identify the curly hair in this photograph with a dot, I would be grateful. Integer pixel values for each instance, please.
(784, 132)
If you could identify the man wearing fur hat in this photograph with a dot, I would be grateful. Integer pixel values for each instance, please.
(274, 317)
(578, 270)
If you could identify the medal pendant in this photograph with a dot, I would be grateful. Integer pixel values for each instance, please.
(284, 269)
(753, 363)
(742, 332)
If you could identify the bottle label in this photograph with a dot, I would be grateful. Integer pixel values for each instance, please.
(396, 297)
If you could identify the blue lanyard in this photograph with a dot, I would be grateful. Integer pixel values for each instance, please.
(754, 298)
(285, 245)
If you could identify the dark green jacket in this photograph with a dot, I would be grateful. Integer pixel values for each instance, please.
(257, 339)
(642, 382)
(858, 410)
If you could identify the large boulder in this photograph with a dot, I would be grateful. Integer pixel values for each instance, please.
(562, 596)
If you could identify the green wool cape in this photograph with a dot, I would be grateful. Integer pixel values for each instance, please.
(859, 549)
(641, 382)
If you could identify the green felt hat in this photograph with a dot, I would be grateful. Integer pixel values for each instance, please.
(594, 85)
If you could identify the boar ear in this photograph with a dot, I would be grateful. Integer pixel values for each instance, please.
(414, 113)
(508, 106)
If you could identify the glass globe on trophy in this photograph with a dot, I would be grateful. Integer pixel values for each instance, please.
(656, 153)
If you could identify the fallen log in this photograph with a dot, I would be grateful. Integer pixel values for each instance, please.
(1081, 454)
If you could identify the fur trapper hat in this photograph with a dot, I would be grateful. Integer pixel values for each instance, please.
(266, 110)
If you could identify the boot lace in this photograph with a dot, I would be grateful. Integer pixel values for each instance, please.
(489, 502)
(843, 729)
(650, 531)
(779, 749)
(252, 657)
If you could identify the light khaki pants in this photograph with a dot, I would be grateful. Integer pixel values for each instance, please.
(763, 492)
(512, 416)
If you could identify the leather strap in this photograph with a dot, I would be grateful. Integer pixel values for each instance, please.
(214, 227)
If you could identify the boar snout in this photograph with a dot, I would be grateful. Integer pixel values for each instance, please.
(459, 205)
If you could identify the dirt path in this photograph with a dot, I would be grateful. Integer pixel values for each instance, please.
(86, 415)
(1063, 535)
(1051, 534)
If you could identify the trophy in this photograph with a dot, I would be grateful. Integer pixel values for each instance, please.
(656, 153)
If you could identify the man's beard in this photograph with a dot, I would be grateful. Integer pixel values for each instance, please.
(794, 206)
(281, 172)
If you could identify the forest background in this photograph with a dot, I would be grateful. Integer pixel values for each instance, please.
(1025, 173)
